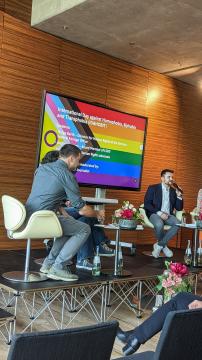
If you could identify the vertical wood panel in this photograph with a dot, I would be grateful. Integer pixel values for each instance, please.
(190, 145)
(31, 61)
(83, 74)
(29, 64)
(127, 88)
(30, 47)
(20, 9)
(127, 92)
(1, 31)
(2, 5)
(189, 164)
(163, 127)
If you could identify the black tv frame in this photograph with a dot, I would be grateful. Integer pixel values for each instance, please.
(102, 106)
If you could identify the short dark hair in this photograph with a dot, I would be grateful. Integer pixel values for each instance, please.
(68, 150)
(50, 156)
(164, 171)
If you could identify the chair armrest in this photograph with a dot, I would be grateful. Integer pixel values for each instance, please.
(147, 223)
(193, 213)
(178, 214)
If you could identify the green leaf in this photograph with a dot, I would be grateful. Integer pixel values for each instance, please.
(159, 287)
(167, 264)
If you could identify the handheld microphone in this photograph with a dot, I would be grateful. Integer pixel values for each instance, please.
(176, 187)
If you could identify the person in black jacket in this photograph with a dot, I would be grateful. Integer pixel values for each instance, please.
(160, 202)
(151, 326)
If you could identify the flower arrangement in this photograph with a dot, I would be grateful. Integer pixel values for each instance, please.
(198, 219)
(174, 279)
(198, 214)
(128, 212)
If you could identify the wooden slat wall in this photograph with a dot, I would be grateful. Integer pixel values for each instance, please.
(20, 9)
(127, 91)
(2, 5)
(84, 74)
(189, 164)
(1, 30)
(31, 61)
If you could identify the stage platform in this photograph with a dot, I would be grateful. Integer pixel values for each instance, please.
(141, 266)
(99, 296)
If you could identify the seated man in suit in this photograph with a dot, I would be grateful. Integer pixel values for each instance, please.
(134, 338)
(160, 201)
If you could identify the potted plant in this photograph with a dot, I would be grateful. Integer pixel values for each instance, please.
(128, 216)
(174, 279)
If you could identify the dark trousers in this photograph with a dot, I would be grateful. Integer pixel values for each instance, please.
(155, 322)
(96, 237)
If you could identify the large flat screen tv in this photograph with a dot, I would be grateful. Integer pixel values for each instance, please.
(112, 142)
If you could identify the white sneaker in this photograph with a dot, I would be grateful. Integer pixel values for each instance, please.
(167, 252)
(157, 250)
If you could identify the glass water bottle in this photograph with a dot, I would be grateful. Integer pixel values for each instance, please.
(96, 263)
(199, 254)
(188, 254)
(120, 260)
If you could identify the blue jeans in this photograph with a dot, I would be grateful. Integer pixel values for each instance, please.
(65, 247)
(164, 236)
(96, 237)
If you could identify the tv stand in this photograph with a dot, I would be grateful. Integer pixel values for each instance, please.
(99, 198)
(99, 201)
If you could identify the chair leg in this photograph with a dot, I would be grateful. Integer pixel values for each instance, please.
(27, 260)
(26, 275)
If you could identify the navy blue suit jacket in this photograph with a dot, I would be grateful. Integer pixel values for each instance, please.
(153, 200)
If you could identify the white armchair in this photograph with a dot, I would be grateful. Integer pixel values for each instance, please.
(147, 223)
(194, 213)
(198, 208)
(42, 224)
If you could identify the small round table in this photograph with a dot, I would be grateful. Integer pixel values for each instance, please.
(196, 230)
(117, 229)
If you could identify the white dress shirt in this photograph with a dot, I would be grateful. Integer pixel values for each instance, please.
(165, 206)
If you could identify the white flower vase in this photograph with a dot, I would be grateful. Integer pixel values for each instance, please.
(199, 224)
(128, 223)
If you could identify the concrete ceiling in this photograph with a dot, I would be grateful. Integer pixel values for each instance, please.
(161, 35)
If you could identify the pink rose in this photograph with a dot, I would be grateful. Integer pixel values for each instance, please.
(178, 280)
(170, 291)
(118, 213)
(167, 283)
(127, 214)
